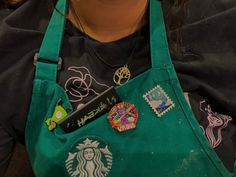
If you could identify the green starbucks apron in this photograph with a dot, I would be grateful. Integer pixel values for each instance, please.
(166, 142)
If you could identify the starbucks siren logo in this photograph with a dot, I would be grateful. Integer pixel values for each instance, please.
(89, 159)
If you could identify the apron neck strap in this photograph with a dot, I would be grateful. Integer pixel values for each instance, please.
(158, 40)
(47, 61)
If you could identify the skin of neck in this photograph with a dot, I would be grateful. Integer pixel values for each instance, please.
(108, 20)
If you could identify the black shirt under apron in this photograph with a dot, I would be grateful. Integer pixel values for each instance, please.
(206, 75)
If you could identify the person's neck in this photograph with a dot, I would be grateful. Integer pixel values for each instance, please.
(108, 20)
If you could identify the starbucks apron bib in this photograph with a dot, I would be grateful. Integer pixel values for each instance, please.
(166, 142)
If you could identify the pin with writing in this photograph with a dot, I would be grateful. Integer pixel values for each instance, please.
(90, 111)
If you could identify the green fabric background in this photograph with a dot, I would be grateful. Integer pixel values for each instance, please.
(172, 145)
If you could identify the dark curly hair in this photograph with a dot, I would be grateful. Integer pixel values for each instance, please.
(175, 15)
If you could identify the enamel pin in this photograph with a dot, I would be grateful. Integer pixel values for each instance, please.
(158, 100)
(123, 116)
(59, 114)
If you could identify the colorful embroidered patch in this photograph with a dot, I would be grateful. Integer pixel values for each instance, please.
(89, 157)
(158, 100)
(123, 116)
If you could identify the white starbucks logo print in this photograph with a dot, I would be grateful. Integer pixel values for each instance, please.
(91, 158)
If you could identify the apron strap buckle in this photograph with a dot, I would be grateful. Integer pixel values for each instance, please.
(58, 62)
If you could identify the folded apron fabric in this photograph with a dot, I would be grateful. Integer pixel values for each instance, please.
(166, 142)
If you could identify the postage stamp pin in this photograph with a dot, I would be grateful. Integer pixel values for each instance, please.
(158, 100)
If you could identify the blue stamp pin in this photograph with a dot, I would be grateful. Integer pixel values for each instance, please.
(158, 100)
